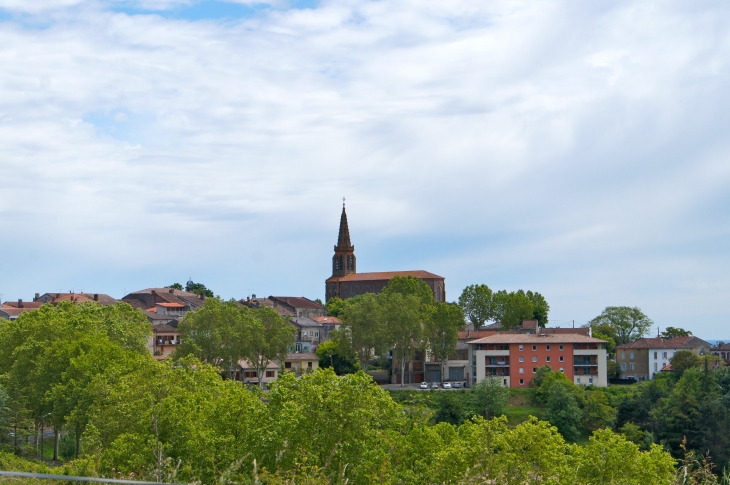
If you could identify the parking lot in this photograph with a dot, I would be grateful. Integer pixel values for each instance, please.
(417, 387)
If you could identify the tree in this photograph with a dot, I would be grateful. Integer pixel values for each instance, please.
(597, 412)
(450, 409)
(540, 308)
(271, 337)
(333, 354)
(671, 332)
(478, 305)
(403, 317)
(363, 327)
(683, 360)
(626, 323)
(490, 398)
(199, 289)
(562, 410)
(442, 332)
(335, 306)
(511, 309)
(176, 286)
(410, 285)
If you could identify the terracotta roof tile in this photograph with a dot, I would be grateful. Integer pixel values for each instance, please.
(654, 343)
(301, 356)
(384, 276)
(299, 302)
(330, 320)
(475, 334)
(521, 338)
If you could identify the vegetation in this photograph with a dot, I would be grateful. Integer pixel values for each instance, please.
(620, 325)
(481, 305)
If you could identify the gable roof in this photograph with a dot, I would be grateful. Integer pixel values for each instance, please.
(298, 302)
(301, 356)
(654, 343)
(327, 320)
(385, 276)
(529, 338)
(475, 334)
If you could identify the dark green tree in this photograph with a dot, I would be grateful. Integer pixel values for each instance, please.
(478, 304)
(683, 360)
(562, 410)
(671, 332)
(199, 289)
(511, 309)
(541, 309)
(332, 354)
(176, 286)
(335, 307)
(624, 324)
(489, 397)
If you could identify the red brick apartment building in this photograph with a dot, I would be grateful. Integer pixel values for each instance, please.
(514, 358)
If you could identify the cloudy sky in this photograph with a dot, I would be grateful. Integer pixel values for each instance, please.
(578, 149)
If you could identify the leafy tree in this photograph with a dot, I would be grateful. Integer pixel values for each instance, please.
(632, 433)
(271, 337)
(403, 316)
(511, 309)
(318, 300)
(671, 332)
(335, 306)
(410, 285)
(597, 412)
(450, 409)
(363, 326)
(540, 308)
(333, 354)
(683, 360)
(176, 286)
(442, 332)
(490, 398)
(561, 409)
(625, 323)
(199, 289)
(613, 368)
(478, 304)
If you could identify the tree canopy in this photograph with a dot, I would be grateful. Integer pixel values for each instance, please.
(622, 324)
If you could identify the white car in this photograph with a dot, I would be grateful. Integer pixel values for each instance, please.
(447, 385)
(424, 385)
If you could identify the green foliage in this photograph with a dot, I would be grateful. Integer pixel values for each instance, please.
(199, 289)
(403, 317)
(450, 409)
(540, 308)
(478, 304)
(562, 410)
(364, 327)
(597, 412)
(512, 308)
(683, 360)
(333, 354)
(409, 286)
(335, 306)
(671, 332)
(622, 324)
(490, 398)
(441, 331)
(175, 286)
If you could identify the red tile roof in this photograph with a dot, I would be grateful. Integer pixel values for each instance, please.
(475, 334)
(301, 356)
(654, 343)
(384, 276)
(330, 320)
(26, 304)
(171, 305)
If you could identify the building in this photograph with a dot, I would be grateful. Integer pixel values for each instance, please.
(514, 358)
(56, 298)
(643, 359)
(721, 350)
(699, 346)
(247, 373)
(346, 282)
(165, 338)
(310, 334)
(164, 305)
(300, 363)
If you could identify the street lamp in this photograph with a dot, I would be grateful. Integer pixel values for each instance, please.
(43, 422)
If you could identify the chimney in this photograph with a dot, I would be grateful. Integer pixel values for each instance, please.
(20, 303)
(172, 290)
(96, 296)
(37, 295)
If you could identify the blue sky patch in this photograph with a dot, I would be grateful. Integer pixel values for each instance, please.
(212, 10)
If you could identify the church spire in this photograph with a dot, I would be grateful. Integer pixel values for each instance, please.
(343, 241)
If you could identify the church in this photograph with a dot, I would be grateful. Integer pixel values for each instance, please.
(346, 282)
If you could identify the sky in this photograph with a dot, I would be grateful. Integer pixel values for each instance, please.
(577, 149)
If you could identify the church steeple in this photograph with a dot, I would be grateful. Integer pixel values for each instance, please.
(343, 262)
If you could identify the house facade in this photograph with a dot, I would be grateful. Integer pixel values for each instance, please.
(300, 363)
(164, 340)
(644, 358)
(514, 358)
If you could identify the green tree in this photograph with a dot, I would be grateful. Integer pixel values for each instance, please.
(683, 360)
(335, 306)
(364, 328)
(271, 336)
(199, 289)
(490, 398)
(562, 410)
(403, 317)
(176, 286)
(511, 309)
(624, 323)
(450, 409)
(442, 332)
(541, 309)
(671, 332)
(597, 412)
(478, 305)
(410, 285)
(333, 354)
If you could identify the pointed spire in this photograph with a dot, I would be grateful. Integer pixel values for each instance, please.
(343, 241)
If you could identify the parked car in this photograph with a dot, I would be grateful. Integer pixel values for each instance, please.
(424, 385)
(434, 385)
(457, 385)
(447, 385)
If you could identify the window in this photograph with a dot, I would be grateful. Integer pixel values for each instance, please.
(577, 380)
(655, 366)
(304, 334)
(504, 347)
(656, 355)
(287, 365)
(623, 365)
(562, 370)
(632, 366)
(534, 370)
(316, 334)
(561, 346)
(309, 364)
(623, 355)
(590, 380)
(547, 359)
(631, 356)
(504, 381)
(522, 358)
(664, 356)
(534, 358)
(522, 347)
(547, 347)
(534, 347)
(269, 373)
(522, 382)
(522, 370)
(561, 358)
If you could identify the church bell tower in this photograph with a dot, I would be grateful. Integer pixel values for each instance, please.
(343, 262)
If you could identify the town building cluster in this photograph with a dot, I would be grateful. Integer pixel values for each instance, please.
(513, 357)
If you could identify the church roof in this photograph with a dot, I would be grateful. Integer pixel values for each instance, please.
(343, 240)
(384, 276)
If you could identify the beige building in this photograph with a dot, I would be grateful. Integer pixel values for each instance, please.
(300, 363)
(643, 359)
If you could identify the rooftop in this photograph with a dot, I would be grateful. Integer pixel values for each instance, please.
(654, 343)
(385, 276)
(522, 338)
(327, 320)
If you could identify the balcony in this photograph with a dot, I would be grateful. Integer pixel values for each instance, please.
(585, 371)
(584, 360)
(167, 342)
(496, 371)
(496, 361)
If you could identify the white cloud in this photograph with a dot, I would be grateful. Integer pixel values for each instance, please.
(572, 148)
